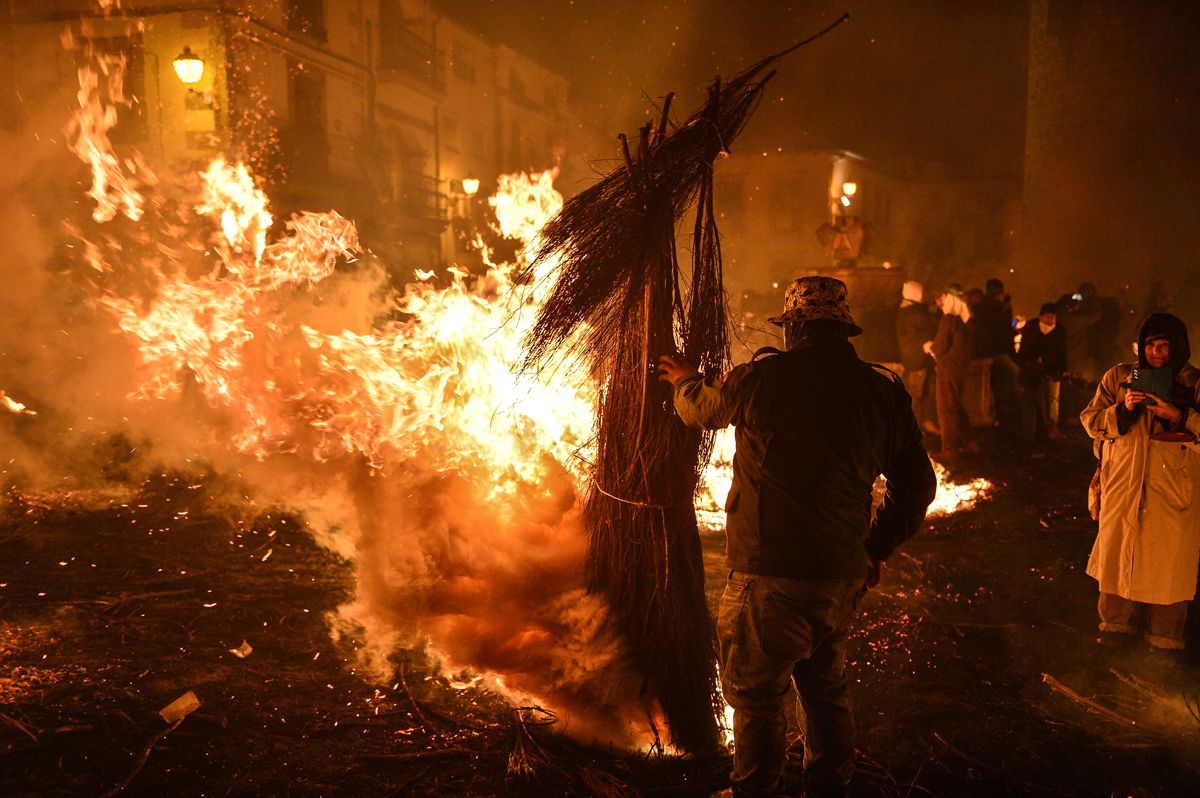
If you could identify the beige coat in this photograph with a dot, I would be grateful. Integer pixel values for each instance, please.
(1148, 546)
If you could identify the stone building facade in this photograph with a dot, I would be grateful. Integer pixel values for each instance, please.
(379, 109)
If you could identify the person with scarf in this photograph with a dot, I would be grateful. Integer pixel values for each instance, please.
(951, 351)
(1148, 546)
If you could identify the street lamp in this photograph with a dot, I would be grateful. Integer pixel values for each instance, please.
(470, 185)
(849, 189)
(189, 67)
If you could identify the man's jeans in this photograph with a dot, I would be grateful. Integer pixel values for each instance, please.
(775, 632)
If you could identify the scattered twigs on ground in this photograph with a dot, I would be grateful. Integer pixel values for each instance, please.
(425, 756)
(1192, 700)
(919, 565)
(1036, 789)
(1141, 685)
(912, 785)
(411, 700)
(402, 787)
(141, 762)
(1104, 711)
(879, 777)
(19, 726)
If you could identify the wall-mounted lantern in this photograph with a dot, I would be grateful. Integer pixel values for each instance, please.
(189, 67)
(470, 185)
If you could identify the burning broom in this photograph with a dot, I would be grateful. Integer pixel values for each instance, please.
(620, 281)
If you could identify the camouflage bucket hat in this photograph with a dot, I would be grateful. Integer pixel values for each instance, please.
(816, 299)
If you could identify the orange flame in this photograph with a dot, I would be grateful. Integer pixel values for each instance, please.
(114, 180)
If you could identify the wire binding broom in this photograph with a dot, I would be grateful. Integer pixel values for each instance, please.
(619, 284)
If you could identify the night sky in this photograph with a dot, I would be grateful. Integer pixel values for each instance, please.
(929, 80)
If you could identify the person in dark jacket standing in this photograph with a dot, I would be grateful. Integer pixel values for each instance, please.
(1043, 361)
(815, 427)
(992, 337)
(914, 326)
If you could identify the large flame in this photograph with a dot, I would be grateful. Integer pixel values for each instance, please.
(462, 473)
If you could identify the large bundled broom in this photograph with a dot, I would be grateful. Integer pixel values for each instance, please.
(620, 280)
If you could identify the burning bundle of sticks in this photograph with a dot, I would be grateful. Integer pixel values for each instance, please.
(620, 283)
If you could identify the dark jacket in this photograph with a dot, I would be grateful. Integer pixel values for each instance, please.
(952, 347)
(914, 326)
(1042, 354)
(815, 427)
(993, 331)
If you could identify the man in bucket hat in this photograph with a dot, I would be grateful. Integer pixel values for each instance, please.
(815, 426)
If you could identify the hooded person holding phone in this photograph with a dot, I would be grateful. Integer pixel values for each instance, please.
(1147, 551)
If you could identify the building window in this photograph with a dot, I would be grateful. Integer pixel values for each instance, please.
(516, 85)
(306, 147)
(464, 67)
(400, 48)
(450, 133)
(307, 17)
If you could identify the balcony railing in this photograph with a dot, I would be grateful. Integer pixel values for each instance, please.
(418, 195)
(402, 51)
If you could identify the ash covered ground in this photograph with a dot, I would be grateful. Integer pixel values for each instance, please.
(974, 665)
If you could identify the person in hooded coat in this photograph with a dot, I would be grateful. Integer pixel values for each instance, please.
(1148, 547)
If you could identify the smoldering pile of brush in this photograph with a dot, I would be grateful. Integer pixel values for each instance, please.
(620, 287)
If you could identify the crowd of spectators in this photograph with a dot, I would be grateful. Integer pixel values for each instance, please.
(1071, 339)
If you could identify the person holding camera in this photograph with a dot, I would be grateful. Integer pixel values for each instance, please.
(1144, 422)
(815, 426)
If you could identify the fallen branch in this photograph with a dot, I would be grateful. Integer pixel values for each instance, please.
(402, 787)
(137, 768)
(1141, 685)
(1036, 789)
(912, 785)
(420, 756)
(1058, 686)
(879, 777)
(19, 726)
